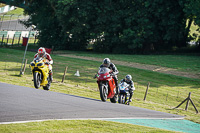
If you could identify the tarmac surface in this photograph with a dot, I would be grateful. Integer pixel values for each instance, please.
(18, 103)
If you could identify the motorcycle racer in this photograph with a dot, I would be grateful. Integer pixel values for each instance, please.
(128, 80)
(42, 53)
(107, 63)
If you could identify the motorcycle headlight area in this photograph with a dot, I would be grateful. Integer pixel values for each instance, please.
(32, 64)
(121, 88)
(106, 76)
(40, 64)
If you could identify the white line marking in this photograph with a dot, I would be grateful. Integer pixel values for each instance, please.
(15, 122)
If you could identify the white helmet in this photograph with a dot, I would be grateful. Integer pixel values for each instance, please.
(41, 52)
(128, 78)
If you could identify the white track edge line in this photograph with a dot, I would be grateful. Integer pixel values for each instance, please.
(15, 122)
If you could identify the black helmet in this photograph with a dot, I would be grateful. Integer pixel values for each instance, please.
(128, 78)
(106, 62)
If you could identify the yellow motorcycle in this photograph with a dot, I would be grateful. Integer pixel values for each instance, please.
(40, 71)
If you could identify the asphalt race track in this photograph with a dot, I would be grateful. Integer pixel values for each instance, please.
(18, 103)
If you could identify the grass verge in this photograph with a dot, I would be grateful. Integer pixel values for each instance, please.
(180, 62)
(77, 126)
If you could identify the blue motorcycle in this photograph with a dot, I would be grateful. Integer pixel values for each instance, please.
(124, 94)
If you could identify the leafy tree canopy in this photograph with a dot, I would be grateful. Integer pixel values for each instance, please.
(122, 26)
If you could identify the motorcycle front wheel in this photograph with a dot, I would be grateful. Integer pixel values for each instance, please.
(103, 95)
(120, 99)
(36, 77)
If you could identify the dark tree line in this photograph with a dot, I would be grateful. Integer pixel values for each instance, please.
(122, 26)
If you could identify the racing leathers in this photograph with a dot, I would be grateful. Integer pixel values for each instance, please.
(131, 87)
(114, 74)
(50, 61)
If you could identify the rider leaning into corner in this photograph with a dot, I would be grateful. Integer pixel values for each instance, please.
(111, 66)
(128, 80)
(42, 53)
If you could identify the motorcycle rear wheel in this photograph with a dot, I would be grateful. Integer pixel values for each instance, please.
(103, 94)
(47, 87)
(36, 78)
(114, 99)
(120, 99)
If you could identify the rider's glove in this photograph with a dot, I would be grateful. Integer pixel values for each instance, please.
(112, 74)
(47, 63)
(95, 76)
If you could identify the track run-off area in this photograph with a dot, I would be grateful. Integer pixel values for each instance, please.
(23, 104)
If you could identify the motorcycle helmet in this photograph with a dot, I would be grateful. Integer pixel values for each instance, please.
(41, 52)
(106, 62)
(128, 78)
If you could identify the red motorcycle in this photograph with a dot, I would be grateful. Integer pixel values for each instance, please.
(106, 85)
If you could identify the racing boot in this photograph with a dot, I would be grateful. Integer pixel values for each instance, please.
(51, 76)
(117, 87)
(130, 100)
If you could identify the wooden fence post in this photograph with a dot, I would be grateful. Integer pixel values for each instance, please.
(188, 99)
(7, 39)
(146, 91)
(19, 39)
(194, 106)
(13, 39)
(2, 40)
(64, 74)
(167, 96)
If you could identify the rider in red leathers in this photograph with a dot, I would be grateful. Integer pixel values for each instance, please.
(42, 53)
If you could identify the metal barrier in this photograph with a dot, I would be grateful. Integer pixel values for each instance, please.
(16, 38)
(12, 22)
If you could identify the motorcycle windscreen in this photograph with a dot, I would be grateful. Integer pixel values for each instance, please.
(123, 87)
(38, 59)
(103, 70)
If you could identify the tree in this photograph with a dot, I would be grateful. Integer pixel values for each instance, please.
(123, 26)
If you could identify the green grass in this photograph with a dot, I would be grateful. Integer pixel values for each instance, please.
(17, 13)
(165, 92)
(180, 62)
(77, 126)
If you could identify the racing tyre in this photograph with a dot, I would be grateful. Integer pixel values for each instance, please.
(47, 87)
(114, 99)
(103, 94)
(120, 99)
(36, 78)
